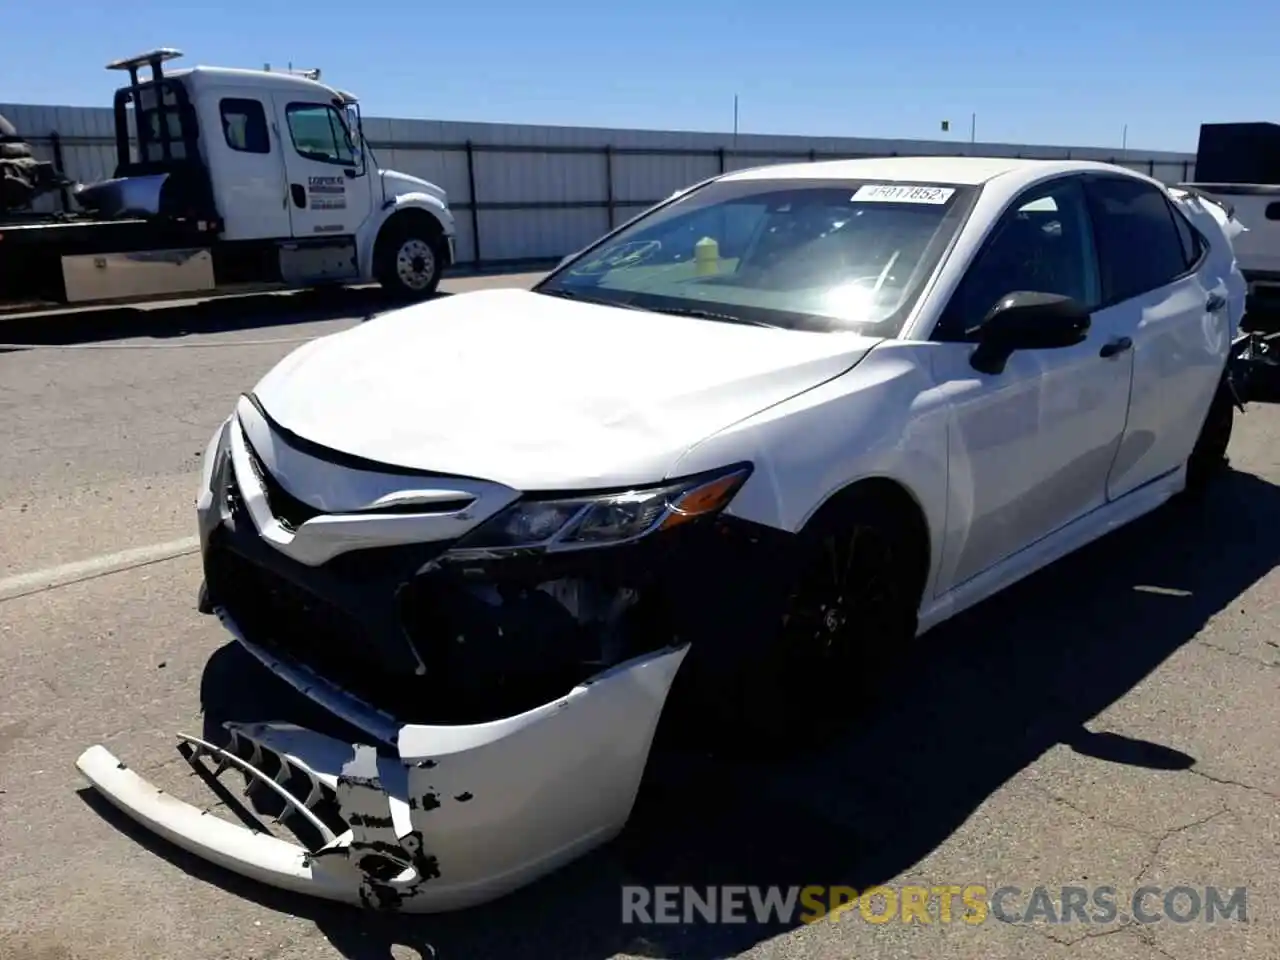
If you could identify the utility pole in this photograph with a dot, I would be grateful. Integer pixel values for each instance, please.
(973, 127)
(735, 119)
(1124, 139)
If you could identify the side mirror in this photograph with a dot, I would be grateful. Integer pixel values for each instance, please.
(1028, 321)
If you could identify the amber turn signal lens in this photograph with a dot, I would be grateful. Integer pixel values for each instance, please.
(708, 498)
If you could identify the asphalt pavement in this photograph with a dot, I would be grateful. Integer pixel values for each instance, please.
(1111, 722)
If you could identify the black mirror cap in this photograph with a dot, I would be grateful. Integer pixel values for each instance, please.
(1036, 320)
(1028, 320)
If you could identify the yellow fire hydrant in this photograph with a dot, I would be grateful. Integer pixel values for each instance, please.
(706, 257)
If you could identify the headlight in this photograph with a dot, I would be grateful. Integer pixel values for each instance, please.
(577, 523)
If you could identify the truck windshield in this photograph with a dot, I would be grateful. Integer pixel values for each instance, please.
(803, 254)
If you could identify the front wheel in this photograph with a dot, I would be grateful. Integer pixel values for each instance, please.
(852, 595)
(409, 261)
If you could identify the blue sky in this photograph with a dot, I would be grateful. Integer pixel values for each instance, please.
(1062, 73)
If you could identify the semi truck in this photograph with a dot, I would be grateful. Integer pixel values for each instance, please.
(226, 180)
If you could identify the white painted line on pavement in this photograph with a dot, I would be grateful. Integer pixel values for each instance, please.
(168, 345)
(24, 584)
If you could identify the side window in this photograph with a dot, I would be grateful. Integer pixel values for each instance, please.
(319, 133)
(1138, 239)
(1042, 244)
(1192, 242)
(244, 125)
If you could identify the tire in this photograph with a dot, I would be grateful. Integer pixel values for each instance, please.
(835, 640)
(1208, 458)
(410, 258)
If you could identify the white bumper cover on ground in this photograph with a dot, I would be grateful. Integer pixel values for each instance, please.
(458, 816)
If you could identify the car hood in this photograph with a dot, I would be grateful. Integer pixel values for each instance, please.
(538, 392)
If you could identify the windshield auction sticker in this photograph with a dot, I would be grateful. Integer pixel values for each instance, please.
(902, 193)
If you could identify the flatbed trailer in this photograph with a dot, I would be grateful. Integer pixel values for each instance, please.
(54, 261)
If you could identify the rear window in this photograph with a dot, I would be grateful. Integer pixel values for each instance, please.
(820, 255)
(158, 114)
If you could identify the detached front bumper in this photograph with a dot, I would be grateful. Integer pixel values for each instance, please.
(455, 817)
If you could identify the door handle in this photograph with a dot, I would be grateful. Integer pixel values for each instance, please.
(1114, 347)
(1215, 302)
(299, 194)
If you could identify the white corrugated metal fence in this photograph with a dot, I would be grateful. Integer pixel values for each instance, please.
(525, 193)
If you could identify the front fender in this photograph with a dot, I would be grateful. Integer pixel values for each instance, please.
(884, 419)
(367, 237)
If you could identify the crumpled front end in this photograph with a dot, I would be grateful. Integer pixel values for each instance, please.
(507, 700)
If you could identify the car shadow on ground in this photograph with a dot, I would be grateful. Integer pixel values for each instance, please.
(217, 315)
(982, 698)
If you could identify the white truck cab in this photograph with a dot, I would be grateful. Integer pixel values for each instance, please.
(286, 158)
(232, 177)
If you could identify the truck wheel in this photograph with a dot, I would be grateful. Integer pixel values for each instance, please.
(410, 258)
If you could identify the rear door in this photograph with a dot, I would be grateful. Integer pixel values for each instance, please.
(329, 191)
(247, 166)
(1175, 315)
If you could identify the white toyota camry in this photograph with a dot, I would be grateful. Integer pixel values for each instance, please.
(770, 429)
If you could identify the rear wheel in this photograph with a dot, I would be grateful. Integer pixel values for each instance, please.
(410, 258)
(1208, 458)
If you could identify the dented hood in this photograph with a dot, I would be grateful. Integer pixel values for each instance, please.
(537, 392)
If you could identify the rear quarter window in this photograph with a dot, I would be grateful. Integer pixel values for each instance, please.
(1193, 244)
(244, 125)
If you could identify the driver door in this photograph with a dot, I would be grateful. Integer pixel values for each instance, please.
(1029, 448)
(329, 193)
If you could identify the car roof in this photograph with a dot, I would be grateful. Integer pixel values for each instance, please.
(966, 171)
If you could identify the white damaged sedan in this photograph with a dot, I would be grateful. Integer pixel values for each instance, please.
(760, 435)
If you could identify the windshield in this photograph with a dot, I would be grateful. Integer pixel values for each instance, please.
(803, 254)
